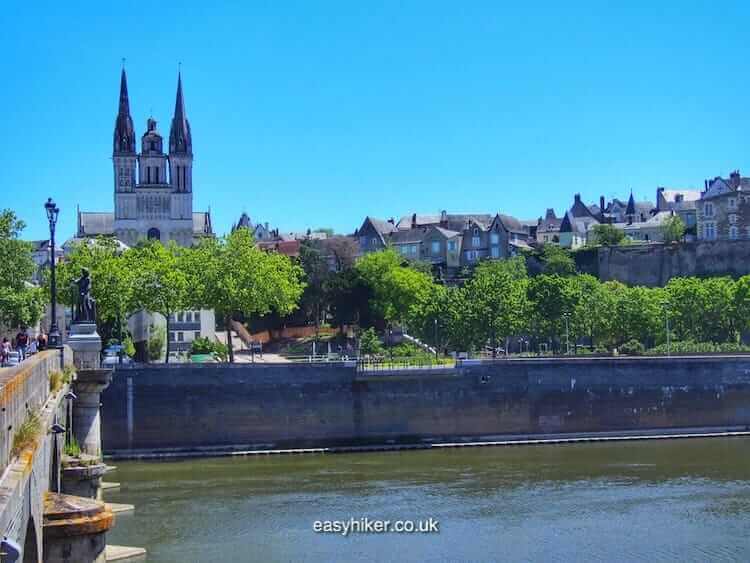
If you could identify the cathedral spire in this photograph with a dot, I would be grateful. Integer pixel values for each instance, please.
(180, 140)
(124, 135)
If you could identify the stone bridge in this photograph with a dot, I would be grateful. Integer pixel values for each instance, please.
(41, 409)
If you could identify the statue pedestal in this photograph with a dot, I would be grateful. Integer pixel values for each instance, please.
(86, 345)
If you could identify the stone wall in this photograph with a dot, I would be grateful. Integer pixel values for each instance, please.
(655, 264)
(193, 406)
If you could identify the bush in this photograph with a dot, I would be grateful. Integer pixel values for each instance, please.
(128, 347)
(26, 434)
(72, 448)
(369, 343)
(632, 348)
(55, 381)
(202, 345)
(156, 343)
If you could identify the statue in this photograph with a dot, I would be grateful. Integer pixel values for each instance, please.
(85, 309)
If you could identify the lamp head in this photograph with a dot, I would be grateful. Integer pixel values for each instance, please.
(52, 211)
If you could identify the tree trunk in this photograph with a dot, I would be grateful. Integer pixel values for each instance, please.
(230, 346)
(166, 339)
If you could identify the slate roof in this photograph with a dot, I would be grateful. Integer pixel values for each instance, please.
(410, 236)
(512, 224)
(91, 224)
(383, 227)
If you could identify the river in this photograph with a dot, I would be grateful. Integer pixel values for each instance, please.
(677, 500)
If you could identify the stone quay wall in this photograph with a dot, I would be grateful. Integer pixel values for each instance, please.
(189, 407)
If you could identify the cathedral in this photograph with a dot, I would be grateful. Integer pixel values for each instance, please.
(153, 191)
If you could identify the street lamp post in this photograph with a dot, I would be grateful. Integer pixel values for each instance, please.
(55, 341)
(567, 334)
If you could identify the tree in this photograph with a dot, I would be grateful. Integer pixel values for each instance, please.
(606, 235)
(161, 283)
(551, 298)
(369, 343)
(111, 286)
(673, 229)
(20, 302)
(233, 276)
(343, 250)
(557, 260)
(741, 307)
(400, 293)
(314, 298)
(350, 299)
(497, 301)
(702, 309)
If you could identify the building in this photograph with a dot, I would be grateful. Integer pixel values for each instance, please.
(548, 228)
(153, 191)
(683, 202)
(373, 233)
(153, 199)
(723, 212)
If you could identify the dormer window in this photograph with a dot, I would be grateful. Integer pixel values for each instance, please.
(732, 204)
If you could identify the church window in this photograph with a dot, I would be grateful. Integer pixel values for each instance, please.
(148, 174)
(153, 234)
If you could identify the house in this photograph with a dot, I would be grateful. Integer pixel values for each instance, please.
(548, 228)
(372, 234)
(723, 212)
(684, 202)
(269, 239)
(574, 230)
(650, 230)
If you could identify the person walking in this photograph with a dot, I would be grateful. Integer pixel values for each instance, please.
(22, 344)
(41, 341)
(4, 352)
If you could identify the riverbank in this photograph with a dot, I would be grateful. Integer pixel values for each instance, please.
(524, 440)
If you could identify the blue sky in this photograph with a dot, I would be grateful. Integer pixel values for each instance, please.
(316, 113)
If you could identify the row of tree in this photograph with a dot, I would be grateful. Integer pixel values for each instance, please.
(230, 275)
(501, 300)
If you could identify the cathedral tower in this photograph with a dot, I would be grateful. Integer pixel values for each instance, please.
(123, 146)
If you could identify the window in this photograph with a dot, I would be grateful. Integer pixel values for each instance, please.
(153, 234)
(546, 238)
(189, 317)
(476, 241)
(733, 234)
(156, 175)
(471, 255)
(495, 252)
(495, 238)
(171, 336)
(180, 317)
(180, 336)
(413, 249)
(148, 174)
(363, 242)
(452, 245)
(435, 247)
(403, 249)
(732, 204)
(709, 231)
(708, 209)
(196, 335)
(732, 218)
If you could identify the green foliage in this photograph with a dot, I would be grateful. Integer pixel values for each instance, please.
(315, 298)
(55, 381)
(128, 347)
(606, 235)
(401, 293)
(72, 449)
(369, 343)
(27, 434)
(21, 304)
(68, 373)
(632, 348)
(112, 279)
(234, 277)
(704, 309)
(205, 345)
(673, 229)
(156, 341)
(557, 260)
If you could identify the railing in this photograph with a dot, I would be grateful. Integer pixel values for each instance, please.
(379, 364)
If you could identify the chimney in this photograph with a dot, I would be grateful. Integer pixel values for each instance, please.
(734, 179)
(601, 203)
(391, 221)
(443, 217)
(705, 185)
(414, 221)
(577, 198)
(550, 214)
(266, 225)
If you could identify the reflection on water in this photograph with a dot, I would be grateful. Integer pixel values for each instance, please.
(683, 500)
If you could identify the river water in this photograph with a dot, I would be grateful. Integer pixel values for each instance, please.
(680, 500)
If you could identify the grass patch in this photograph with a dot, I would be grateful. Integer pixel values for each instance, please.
(26, 434)
(72, 448)
(55, 381)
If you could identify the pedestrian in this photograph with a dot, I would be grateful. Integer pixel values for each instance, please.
(4, 351)
(41, 341)
(22, 344)
(32, 349)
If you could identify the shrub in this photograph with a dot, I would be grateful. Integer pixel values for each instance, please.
(55, 381)
(26, 434)
(156, 343)
(68, 373)
(369, 343)
(128, 347)
(632, 348)
(202, 345)
(72, 448)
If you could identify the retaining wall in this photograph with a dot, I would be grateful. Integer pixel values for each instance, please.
(298, 405)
